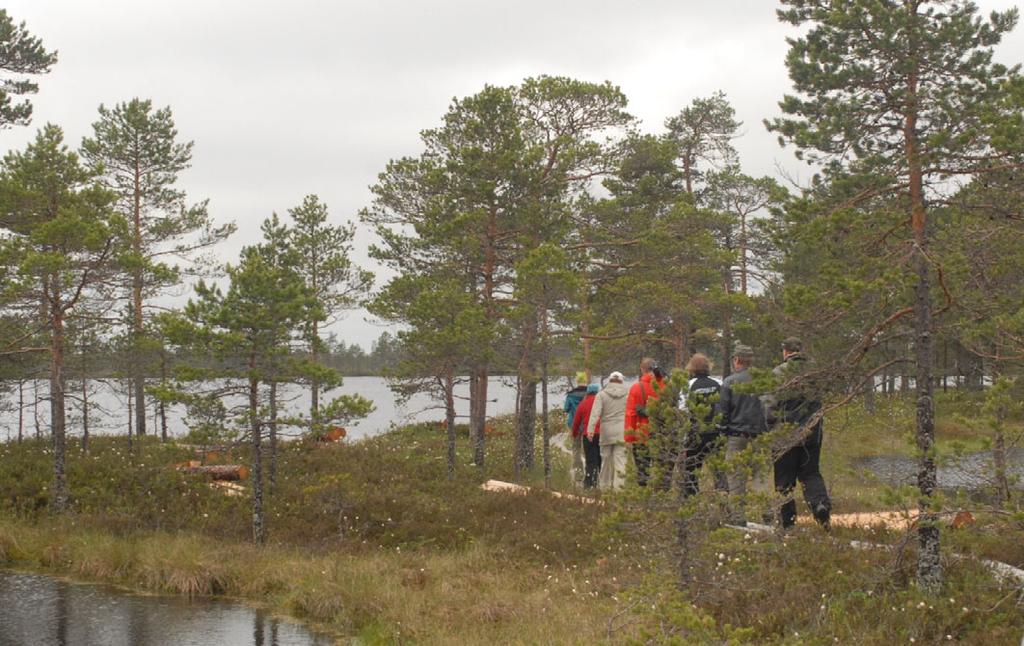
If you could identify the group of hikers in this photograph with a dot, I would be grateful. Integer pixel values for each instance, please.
(611, 423)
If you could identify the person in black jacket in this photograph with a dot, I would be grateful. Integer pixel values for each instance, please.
(703, 437)
(793, 408)
(741, 419)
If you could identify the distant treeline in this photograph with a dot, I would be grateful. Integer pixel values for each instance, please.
(103, 362)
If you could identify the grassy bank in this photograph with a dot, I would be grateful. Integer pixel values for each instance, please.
(469, 595)
(371, 540)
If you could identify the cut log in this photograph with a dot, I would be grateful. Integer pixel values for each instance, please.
(228, 488)
(218, 471)
(513, 488)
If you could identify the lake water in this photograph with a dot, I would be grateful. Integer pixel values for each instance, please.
(965, 473)
(42, 611)
(109, 407)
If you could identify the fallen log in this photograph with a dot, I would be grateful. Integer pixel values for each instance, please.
(511, 487)
(218, 471)
(228, 488)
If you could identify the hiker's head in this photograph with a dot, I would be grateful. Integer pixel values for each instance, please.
(742, 357)
(699, 366)
(646, 364)
(581, 378)
(790, 346)
(615, 377)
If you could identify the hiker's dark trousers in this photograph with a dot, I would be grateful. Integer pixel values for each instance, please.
(592, 459)
(801, 463)
(697, 450)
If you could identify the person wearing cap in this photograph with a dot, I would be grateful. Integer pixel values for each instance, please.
(609, 410)
(792, 410)
(591, 446)
(741, 420)
(637, 422)
(572, 400)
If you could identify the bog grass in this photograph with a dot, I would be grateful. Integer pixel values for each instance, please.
(371, 540)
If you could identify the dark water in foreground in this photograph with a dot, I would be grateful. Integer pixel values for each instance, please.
(41, 611)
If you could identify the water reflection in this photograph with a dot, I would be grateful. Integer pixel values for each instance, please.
(40, 611)
(261, 624)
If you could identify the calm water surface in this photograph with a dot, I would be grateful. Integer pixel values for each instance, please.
(968, 473)
(109, 407)
(41, 611)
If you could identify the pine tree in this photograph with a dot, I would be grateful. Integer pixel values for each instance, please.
(63, 245)
(904, 92)
(21, 55)
(322, 259)
(136, 150)
(496, 180)
(246, 326)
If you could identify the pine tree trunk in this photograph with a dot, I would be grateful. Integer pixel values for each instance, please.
(999, 457)
(517, 466)
(131, 414)
(478, 423)
(138, 365)
(727, 315)
(258, 525)
(57, 419)
(21, 409)
(272, 476)
(139, 391)
(546, 433)
(526, 423)
(449, 417)
(869, 395)
(163, 406)
(526, 402)
(85, 414)
(929, 566)
(35, 408)
(945, 364)
(585, 333)
(743, 253)
(726, 347)
(314, 384)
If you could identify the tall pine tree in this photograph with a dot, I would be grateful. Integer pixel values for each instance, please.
(905, 92)
(136, 149)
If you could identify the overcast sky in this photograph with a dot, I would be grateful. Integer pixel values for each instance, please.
(283, 99)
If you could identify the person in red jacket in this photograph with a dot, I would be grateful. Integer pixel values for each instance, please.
(637, 402)
(591, 446)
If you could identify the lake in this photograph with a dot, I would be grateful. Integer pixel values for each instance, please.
(42, 611)
(109, 407)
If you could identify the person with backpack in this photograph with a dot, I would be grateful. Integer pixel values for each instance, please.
(792, 409)
(703, 437)
(609, 410)
(638, 416)
(572, 400)
(741, 420)
(591, 446)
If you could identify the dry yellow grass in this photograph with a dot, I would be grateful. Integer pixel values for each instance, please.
(470, 596)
